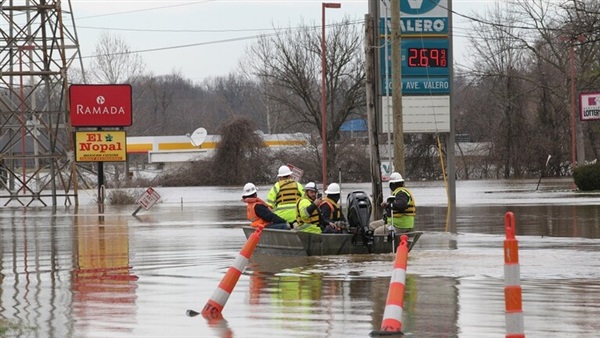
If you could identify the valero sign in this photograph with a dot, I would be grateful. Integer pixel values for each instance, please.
(100, 146)
(421, 7)
(100, 105)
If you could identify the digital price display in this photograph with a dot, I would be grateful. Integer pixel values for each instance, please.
(425, 66)
(427, 57)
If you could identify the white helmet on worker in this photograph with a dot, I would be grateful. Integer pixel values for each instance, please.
(284, 170)
(396, 178)
(249, 190)
(333, 188)
(311, 186)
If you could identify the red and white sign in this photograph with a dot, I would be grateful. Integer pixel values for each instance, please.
(589, 106)
(149, 198)
(297, 173)
(100, 105)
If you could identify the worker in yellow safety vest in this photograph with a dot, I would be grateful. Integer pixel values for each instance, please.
(308, 214)
(400, 208)
(284, 194)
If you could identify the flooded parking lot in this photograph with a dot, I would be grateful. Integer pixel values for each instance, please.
(88, 272)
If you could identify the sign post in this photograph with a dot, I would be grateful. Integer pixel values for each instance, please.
(97, 106)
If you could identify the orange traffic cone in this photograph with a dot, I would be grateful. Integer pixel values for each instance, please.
(214, 306)
(512, 281)
(392, 315)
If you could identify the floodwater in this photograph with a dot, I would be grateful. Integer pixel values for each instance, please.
(88, 272)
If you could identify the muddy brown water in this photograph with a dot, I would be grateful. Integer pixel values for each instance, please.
(87, 272)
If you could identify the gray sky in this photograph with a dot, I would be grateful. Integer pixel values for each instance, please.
(202, 39)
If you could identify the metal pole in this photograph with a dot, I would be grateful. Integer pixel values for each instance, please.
(324, 90)
(387, 93)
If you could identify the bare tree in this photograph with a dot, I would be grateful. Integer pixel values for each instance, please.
(288, 64)
(114, 62)
(234, 95)
(499, 65)
(524, 70)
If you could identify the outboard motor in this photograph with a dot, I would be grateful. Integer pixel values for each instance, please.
(359, 216)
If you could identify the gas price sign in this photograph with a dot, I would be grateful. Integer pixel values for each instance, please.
(420, 57)
(427, 57)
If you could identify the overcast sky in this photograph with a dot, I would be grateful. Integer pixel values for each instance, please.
(202, 39)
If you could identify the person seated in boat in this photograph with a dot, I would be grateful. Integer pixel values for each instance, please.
(258, 212)
(400, 209)
(332, 217)
(284, 195)
(308, 215)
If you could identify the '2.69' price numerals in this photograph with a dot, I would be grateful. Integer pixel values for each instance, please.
(427, 57)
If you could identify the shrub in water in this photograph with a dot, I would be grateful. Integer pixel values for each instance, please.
(587, 177)
(122, 197)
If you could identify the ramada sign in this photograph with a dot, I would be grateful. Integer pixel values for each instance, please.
(100, 105)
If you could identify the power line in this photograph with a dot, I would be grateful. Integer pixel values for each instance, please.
(182, 46)
(251, 37)
(144, 9)
(177, 30)
(274, 29)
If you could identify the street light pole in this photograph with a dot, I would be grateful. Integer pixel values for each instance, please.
(324, 90)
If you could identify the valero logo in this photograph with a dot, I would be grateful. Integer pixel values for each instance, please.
(418, 6)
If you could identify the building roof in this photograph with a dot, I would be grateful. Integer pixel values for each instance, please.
(355, 125)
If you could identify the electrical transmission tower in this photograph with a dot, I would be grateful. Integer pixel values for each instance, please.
(36, 146)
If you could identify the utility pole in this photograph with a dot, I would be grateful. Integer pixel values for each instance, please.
(399, 165)
(371, 112)
(451, 172)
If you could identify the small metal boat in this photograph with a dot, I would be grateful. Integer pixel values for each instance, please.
(297, 243)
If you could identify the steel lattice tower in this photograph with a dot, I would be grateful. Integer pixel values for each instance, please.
(36, 145)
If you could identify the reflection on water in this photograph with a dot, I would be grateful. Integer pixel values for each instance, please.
(339, 301)
(103, 284)
(104, 273)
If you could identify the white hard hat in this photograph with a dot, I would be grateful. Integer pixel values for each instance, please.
(396, 177)
(311, 186)
(249, 189)
(284, 170)
(333, 188)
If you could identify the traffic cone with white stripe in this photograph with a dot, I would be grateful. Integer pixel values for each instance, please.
(394, 305)
(515, 327)
(216, 303)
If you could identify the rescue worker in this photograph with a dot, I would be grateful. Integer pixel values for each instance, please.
(258, 212)
(307, 210)
(332, 217)
(400, 208)
(284, 194)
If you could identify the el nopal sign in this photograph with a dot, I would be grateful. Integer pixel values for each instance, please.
(100, 105)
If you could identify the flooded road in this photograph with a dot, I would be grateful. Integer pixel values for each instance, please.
(85, 272)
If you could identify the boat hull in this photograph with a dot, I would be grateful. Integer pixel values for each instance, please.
(296, 243)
